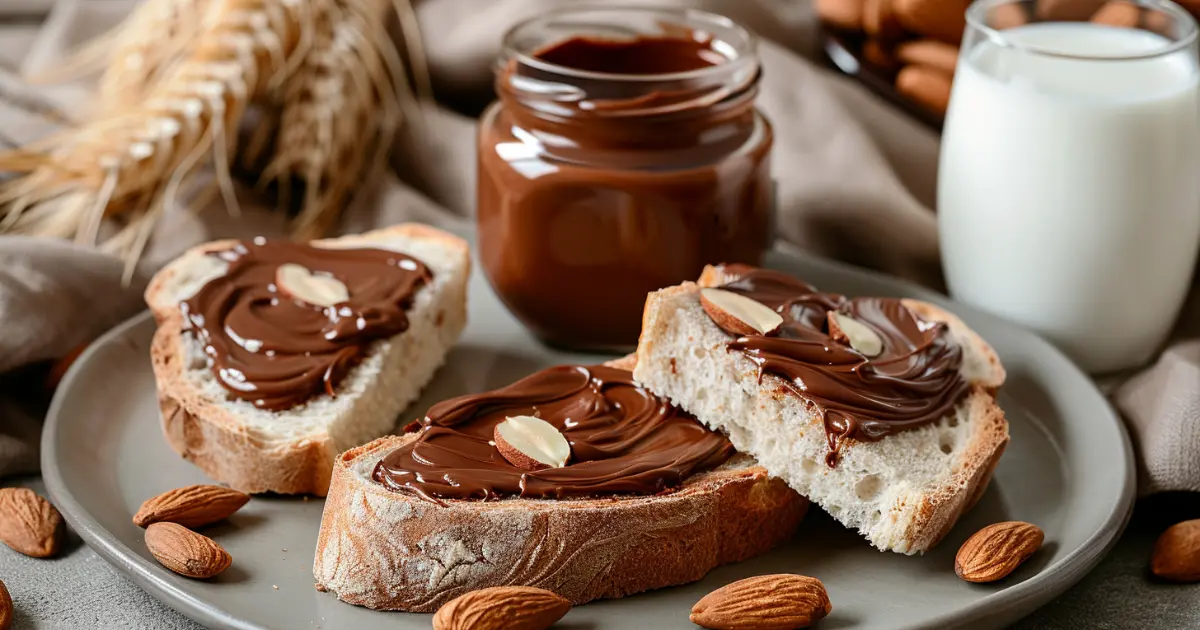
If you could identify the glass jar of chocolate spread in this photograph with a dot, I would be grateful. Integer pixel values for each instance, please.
(624, 154)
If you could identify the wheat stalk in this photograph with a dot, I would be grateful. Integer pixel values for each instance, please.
(139, 157)
(327, 65)
(341, 111)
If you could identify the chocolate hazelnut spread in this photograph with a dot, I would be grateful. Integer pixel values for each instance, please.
(610, 168)
(624, 440)
(278, 352)
(914, 381)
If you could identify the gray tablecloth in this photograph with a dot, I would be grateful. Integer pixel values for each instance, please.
(79, 590)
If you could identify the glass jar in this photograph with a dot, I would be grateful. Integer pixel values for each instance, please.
(623, 155)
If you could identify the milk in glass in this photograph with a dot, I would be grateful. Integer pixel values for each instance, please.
(1069, 185)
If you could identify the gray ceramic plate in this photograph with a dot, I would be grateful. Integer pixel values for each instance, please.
(1068, 469)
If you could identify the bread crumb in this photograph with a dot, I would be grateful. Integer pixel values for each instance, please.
(275, 586)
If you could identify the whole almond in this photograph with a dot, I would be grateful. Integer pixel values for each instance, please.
(502, 608)
(186, 552)
(844, 14)
(880, 22)
(996, 550)
(927, 86)
(28, 523)
(944, 20)
(6, 608)
(767, 602)
(1119, 13)
(929, 53)
(193, 506)
(1177, 553)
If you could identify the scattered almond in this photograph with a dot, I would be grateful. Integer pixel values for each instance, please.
(29, 523)
(1177, 553)
(186, 552)
(319, 290)
(738, 314)
(502, 608)
(767, 602)
(845, 329)
(927, 86)
(6, 607)
(531, 443)
(996, 550)
(193, 506)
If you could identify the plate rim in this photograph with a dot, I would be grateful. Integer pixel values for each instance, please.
(1034, 592)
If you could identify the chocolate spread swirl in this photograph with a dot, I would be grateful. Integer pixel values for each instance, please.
(916, 380)
(624, 440)
(278, 352)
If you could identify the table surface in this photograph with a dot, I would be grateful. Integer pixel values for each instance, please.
(79, 590)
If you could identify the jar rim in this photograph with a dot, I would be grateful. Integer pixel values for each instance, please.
(744, 48)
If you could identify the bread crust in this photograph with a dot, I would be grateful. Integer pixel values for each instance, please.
(212, 436)
(938, 508)
(388, 550)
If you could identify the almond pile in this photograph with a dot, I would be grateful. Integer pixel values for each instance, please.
(502, 608)
(168, 517)
(917, 41)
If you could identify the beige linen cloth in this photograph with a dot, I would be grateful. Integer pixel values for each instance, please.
(855, 182)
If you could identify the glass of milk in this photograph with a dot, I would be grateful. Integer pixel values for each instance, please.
(1069, 183)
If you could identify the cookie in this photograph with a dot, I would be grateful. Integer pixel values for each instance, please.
(843, 14)
(929, 53)
(928, 87)
(1067, 10)
(940, 19)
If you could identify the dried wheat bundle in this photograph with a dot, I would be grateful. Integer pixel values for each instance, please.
(341, 110)
(328, 65)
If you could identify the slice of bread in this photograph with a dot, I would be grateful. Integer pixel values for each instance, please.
(293, 451)
(392, 551)
(903, 492)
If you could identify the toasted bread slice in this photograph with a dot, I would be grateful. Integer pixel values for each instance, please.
(293, 451)
(392, 551)
(903, 492)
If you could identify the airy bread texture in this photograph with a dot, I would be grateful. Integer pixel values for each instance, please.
(387, 550)
(293, 451)
(903, 492)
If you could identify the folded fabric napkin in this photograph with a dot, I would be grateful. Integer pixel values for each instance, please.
(855, 182)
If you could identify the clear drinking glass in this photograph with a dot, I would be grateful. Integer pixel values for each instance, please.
(1069, 183)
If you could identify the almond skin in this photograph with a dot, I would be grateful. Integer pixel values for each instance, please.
(502, 608)
(6, 608)
(996, 550)
(193, 506)
(29, 523)
(767, 602)
(186, 552)
(1177, 553)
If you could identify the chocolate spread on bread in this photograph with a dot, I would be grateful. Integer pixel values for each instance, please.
(614, 167)
(624, 440)
(914, 381)
(278, 352)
